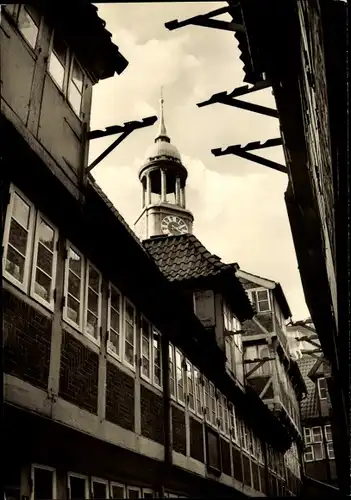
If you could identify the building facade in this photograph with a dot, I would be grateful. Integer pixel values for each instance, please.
(117, 379)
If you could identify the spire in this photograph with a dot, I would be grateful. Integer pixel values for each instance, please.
(162, 132)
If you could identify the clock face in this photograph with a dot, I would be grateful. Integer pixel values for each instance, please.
(172, 224)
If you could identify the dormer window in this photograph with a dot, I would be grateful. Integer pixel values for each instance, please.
(322, 388)
(260, 299)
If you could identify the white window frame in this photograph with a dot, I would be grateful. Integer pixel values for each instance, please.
(213, 405)
(182, 358)
(50, 305)
(54, 479)
(31, 228)
(153, 332)
(308, 435)
(148, 490)
(125, 361)
(64, 89)
(207, 400)
(15, 14)
(256, 302)
(233, 424)
(220, 412)
(133, 488)
(323, 388)
(72, 60)
(226, 418)
(199, 390)
(172, 371)
(78, 476)
(330, 450)
(111, 287)
(119, 485)
(309, 453)
(189, 372)
(328, 430)
(65, 317)
(86, 291)
(99, 480)
(150, 339)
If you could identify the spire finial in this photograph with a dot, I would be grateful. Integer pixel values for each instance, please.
(162, 132)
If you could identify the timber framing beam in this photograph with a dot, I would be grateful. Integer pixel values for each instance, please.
(242, 152)
(207, 21)
(228, 333)
(310, 340)
(260, 362)
(124, 130)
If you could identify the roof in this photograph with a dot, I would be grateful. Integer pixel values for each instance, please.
(84, 31)
(309, 408)
(184, 259)
(249, 279)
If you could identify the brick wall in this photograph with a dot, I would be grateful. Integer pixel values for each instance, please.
(237, 465)
(119, 397)
(27, 341)
(78, 373)
(152, 415)
(246, 470)
(178, 430)
(255, 476)
(196, 440)
(225, 455)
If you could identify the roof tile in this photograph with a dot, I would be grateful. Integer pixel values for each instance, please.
(309, 408)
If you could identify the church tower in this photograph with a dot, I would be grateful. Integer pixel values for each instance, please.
(163, 181)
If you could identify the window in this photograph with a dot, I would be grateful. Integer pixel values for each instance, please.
(99, 488)
(190, 386)
(78, 486)
(198, 392)
(44, 482)
(227, 316)
(308, 453)
(148, 493)
(44, 262)
(28, 24)
(114, 322)
(18, 237)
(225, 417)
(129, 333)
(117, 490)
(145, 349)
(220, 412)
(228, 352)
(233, 423)
(133, 492)
(207, 400)
(72, 312)
(322, 388)
(93, 303)
(213, 405)
(328, 433)
(314, 441)
(213, 450)
(243, 435)
(58, 61)
(330, 449)
(180, 377)
(75, 87)
(157, 360)
(260, 299)
(171, 371)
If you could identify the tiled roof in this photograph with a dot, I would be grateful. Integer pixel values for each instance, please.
(184, 257)
(309, 407)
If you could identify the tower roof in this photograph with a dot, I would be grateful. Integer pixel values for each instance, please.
(162, 146)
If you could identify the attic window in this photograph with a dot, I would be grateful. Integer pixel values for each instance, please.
(260, 299)
(322, 388)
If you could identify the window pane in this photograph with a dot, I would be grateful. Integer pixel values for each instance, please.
(157, 375)
(77, 488)
(18, 237)
(15, 264)
(60, 50)
(129, 353)
(263, 305)
(94, 279)
(129, 313)
(75, 98)
(42, 285)
(117, 491)
(328, 433)
(99, 490)
(28, 27)
(73, 310)
(45, 259)
(20, 211)
(317, 434)
(262, 295)
(77, 76)
(75, 262)
(114, 342)
(145, 367)
(43, 484)
(92, 325)
(318, 451)
(93, 302)
(115, 299)
(74, 284)
(146, 347)
(115, 320)
(129, 333)
(46, 235)
(330, 448)
(56, 70)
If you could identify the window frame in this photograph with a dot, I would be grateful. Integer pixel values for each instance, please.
(29, 251)
(64, 88)
(220, 412)
(182, 358)
(65, 317)
(172, 373)
(207, 400)
(147, 490)
(78, 476)
(153, 364)
(72, 58)
(233, 424)
(95, 479)
(15, 15)
(189, 368)
(88, 265)
(125, 302)
(133, 488)
(119, 485)
(54, 478)
(199, 390)
(111, 287)
(331, 454)
(49, 305)
(213, 405)
(256, 302)
(150, 344)
(322, 388)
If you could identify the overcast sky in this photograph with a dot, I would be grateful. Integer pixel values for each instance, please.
(239, 207)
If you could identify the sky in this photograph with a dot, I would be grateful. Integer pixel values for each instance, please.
(238, 206)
